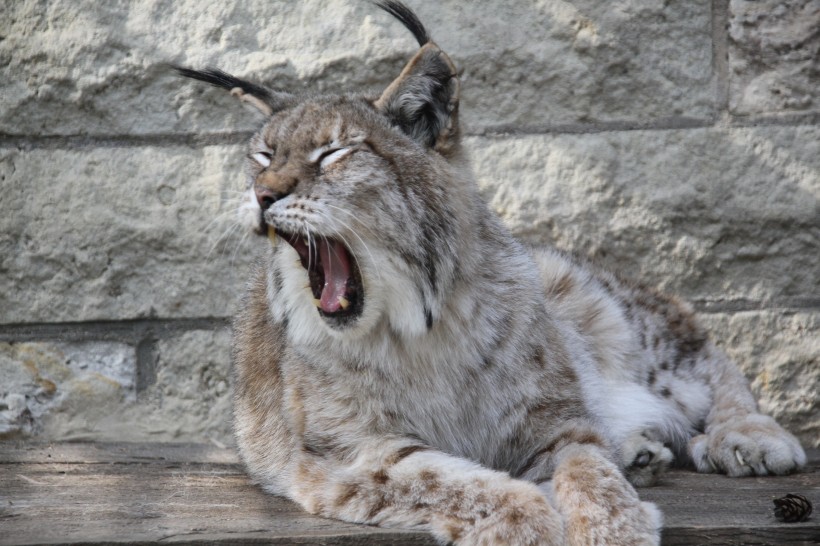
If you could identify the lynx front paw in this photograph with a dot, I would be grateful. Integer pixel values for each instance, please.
(751, 445)
(600, 507)
(521, 518)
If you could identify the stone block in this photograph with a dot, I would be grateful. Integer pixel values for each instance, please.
(191, 399)
(121, 233)
(85, 391)
(87, 67)
(773, 56)
(76, 383)
(779, 352)
(709, 214)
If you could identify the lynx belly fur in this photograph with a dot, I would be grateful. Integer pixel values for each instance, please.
(401, 360)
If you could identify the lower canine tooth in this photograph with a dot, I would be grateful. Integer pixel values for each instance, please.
(343, 302)
(272, 234)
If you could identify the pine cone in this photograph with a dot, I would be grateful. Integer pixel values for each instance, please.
(792, 508)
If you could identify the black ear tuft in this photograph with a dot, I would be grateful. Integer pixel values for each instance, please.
(407, 18)
(218, 78)
(262, 99)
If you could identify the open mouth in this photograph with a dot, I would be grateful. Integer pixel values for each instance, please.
(334, 276)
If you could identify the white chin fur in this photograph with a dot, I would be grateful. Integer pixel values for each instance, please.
(390, 294)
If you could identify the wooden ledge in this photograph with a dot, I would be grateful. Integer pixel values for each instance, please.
(190, 493)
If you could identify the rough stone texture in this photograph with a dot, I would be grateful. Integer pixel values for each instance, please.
(43, 379)
(114, 233)
(774, 53)
(131, 231)
(191, 397)
(103, 66)
(86, 391)
(708, 214)
(780, 354)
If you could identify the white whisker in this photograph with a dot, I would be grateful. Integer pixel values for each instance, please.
(353, 231)
(353, 216)
(239, 245)
(311, 243)
(226, 234)
(355, 255)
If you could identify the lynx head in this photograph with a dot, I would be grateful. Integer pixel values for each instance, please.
(362, 192)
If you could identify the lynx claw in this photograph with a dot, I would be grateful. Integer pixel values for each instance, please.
(739, 458)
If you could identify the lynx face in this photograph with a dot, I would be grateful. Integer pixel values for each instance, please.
(307, 173)
(357, 230)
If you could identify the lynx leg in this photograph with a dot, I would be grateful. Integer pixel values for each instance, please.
(599, 506)
(409, 485)
(596, 502)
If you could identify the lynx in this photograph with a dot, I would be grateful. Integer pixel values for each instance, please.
(401, 360)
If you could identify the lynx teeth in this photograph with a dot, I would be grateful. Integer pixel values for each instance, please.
(317, 302)
(344, 302)
(272, 234)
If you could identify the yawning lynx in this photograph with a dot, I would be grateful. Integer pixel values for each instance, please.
(401, 360)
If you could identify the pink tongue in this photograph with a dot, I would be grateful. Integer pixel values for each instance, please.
(337, 270)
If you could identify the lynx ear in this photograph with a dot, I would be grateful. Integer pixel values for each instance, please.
(423, 100)
(267, 102)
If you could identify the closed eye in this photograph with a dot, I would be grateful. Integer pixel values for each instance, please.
(328, 157)
(263, 158)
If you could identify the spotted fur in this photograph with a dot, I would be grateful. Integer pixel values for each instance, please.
(486, 392)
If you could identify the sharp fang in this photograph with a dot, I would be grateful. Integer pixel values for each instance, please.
(272, 234)
(317, 302)
(343, 302)
(739, 457)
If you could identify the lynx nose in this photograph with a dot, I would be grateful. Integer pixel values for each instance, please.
(266, 196)
(270, 187)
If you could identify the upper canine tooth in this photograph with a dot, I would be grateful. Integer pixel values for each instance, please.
(343, 302)
(272, 234)
(317, 302)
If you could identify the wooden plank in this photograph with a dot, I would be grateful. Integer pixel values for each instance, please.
(715, 509)
(115, 452)
(145, 499)
(185, 494)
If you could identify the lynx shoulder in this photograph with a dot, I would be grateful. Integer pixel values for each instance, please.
(402, 360)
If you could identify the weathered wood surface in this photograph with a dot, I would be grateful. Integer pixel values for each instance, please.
(183, 494)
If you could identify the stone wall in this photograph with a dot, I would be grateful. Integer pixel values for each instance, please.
(678, 142)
